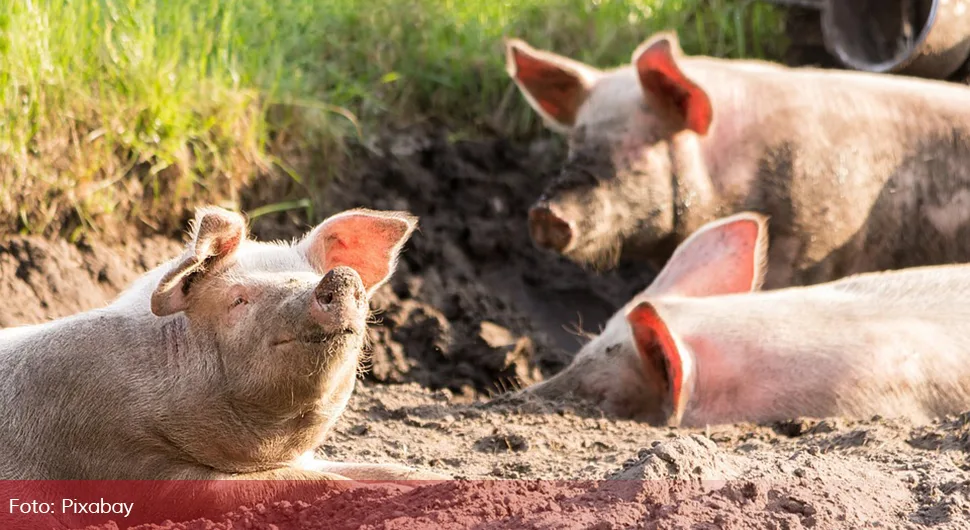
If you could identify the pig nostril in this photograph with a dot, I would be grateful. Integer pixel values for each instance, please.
(549, 230)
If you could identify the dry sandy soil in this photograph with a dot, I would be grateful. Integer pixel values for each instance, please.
(475, 310)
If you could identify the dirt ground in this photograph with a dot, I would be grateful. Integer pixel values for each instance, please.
(474, 310)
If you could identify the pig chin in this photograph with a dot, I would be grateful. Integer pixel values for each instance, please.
(601, 243)
(327, 344)
(598, 252)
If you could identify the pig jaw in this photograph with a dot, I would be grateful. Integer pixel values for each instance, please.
(319, 368)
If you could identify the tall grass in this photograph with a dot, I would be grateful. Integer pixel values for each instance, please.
(120, 110)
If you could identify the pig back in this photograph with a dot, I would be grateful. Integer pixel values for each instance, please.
(73, 391)
(892, 343)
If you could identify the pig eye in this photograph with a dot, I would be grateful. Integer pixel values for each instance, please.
(238, 302)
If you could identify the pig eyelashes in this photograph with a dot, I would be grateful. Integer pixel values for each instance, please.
(238, 301)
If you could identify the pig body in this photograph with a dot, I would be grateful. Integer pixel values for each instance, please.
(858, 172)
(888, 343)
(231, 361)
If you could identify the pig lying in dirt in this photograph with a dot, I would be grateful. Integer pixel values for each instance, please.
(231, 361)
(858, 172)
(698, 347)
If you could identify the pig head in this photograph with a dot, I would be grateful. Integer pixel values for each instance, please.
(857, 172)
(232, 360)
(618, 186)
(286, 325)
(636, 367)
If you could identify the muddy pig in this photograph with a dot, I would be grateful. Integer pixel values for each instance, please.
(858, 172)
(231, 361)
(698, 347)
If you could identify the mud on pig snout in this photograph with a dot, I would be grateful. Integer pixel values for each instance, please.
(339, 302)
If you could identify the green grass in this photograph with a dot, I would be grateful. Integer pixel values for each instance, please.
(120, 110)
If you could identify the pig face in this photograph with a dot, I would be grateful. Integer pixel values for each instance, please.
(639, 368)
(277, 323)
(617, 187)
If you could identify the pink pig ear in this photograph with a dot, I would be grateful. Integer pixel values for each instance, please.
(367, 241)
(661, 354)
(554, 86)
(216, 235)
(726, 256)
(666, 85)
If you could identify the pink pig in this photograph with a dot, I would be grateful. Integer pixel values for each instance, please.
(231, 361)
(699, 347)
(858, 172)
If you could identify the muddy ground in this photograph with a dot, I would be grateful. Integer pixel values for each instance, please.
(474, 310)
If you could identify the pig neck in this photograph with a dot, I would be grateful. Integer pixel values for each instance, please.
(711, 172)
(117, 339)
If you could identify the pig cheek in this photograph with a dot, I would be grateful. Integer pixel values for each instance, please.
(645, 202)
(603, 381)
(628, 389)
(237, 315)
(628, 397)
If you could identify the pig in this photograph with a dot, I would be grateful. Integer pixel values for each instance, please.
(230, 361)
(858, 172)
(703, 346)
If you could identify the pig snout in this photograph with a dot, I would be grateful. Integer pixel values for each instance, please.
(550, 229)
(339, 302)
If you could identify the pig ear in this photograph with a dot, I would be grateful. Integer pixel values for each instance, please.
(722, 257)
(554, 86)
(666, 86)
(216, 235)
(367, 241)
(660, 352)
